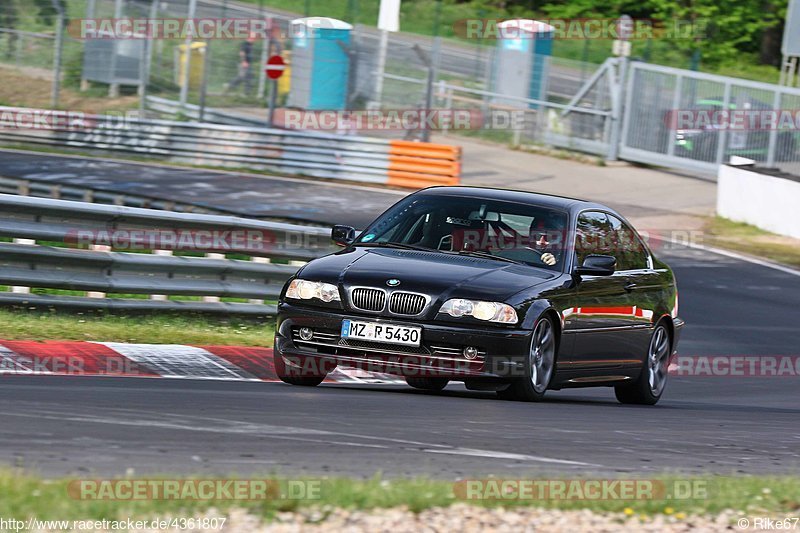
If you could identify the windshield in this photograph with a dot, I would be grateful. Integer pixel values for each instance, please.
(526, 233)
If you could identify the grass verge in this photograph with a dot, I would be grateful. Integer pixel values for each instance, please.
(24, 495)
(160, 328)
(740, 237)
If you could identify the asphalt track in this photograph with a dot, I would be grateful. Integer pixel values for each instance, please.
(83, 425)
(248, 195)
(74, 425)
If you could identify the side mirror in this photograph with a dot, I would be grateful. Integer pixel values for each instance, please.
(597, 265)
(343, 235)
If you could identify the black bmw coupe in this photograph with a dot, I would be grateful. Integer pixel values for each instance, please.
(507, 291)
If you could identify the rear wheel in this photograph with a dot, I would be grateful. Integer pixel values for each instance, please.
(540, 363)
(433, 384)
(649, 386)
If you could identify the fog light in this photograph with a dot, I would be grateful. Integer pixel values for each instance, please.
(306, 334)
(470, 352)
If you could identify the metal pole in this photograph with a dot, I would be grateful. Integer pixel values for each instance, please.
(262, 78)
(352, 75)
(722, 142)
(273, 97)
(772, 146)
(204, 85)
(90, 6)
(488, 75)
(144, 71)
(57, 53)
(617, 99)
(432, 70)
(143, 75)
(187, 59)
(113, 87)
(266, 50)
(584, 59)
(384, 44)
(273, 87)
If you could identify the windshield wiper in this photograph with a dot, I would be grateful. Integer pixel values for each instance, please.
(399, 245)
(487, 255)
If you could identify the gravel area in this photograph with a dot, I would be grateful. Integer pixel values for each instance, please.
(466, 518)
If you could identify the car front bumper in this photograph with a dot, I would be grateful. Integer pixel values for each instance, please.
(500, 351)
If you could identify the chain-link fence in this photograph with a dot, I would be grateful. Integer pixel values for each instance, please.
(686, 119)
(467, 78)
(601, 109)
(26, 50)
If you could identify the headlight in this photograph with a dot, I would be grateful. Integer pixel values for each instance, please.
(300, 289)
(491, 311)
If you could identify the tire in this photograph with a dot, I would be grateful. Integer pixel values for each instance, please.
(650, 385)
(294, 376)
(311, 381)
(432, 384)
(540, 365)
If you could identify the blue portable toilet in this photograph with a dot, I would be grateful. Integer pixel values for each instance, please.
(522, 60)
(320, 63)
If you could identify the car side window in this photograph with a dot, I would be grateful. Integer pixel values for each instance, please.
(594, 235)
(630, 252)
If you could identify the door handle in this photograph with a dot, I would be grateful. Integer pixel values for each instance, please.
(630, 286)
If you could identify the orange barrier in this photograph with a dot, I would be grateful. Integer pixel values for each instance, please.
(417, 164)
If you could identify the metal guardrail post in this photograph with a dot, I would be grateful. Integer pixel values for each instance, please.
(161, 297)
(98, 248)
(261, 260)
(213, 299)
(21, 289)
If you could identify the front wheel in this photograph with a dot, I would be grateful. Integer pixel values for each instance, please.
(649, 386)
(310, 381)
(432, 384)
(539, 365)
(303, 377)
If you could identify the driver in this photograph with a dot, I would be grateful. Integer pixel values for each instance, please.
(543, 238)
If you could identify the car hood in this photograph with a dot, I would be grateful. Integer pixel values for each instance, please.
(438, 275)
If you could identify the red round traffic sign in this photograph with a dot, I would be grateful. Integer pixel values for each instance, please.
(275, 67)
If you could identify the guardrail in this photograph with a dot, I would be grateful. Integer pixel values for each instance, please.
(293, 152)
(57, 191)
(173, 109)
(87, 257)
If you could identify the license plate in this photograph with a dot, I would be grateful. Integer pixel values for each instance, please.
(379, 332)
